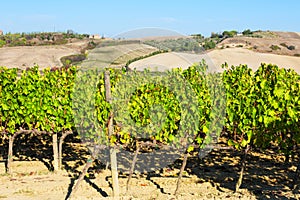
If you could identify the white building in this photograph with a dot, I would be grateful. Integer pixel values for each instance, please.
(95, 36)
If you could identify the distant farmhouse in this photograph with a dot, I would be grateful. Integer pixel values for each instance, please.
(58, 36)
(1, 32)
(95, 36)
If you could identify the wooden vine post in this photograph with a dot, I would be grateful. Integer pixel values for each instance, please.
(113, 152)
(55, 152)
(10, 154)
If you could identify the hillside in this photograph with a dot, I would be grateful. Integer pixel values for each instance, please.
(281, 48)
(44, 56)
(116, 55)
(215, 58)
(281, 43)
(26, 56)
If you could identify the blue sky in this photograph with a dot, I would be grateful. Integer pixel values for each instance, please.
(110, 18)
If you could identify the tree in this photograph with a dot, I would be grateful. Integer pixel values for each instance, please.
(209, 45)
(70, 32)
(214, 35)
(197, 36)
(247, 32)
(291, 47)
(229, 33)
(2, 43)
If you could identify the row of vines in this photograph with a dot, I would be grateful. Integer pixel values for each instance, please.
(253, 109)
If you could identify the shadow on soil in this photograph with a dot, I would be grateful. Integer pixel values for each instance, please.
(31, 148)
(266, 175)
(76, 154)
(39, 148)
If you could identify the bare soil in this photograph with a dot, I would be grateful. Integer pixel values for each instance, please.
(237, 56)
(263, 45)
(44, 56)
(267, 176)
(215, 58)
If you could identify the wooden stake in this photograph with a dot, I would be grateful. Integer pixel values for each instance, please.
(113, 151)
(55, 152)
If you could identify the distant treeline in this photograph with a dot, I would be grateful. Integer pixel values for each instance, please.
(35, 39)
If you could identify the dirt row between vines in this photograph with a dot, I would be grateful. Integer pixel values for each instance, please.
(213, 177)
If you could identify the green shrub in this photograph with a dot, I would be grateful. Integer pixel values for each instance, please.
(275, 47)
(229, 33)
(209, 45)
(72, 59)
(2, 43)
(284, 45)
(291, 47)
(247, 32)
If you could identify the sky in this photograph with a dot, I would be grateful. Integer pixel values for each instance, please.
(110, 18)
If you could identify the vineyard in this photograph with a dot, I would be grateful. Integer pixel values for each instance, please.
(142, 112)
